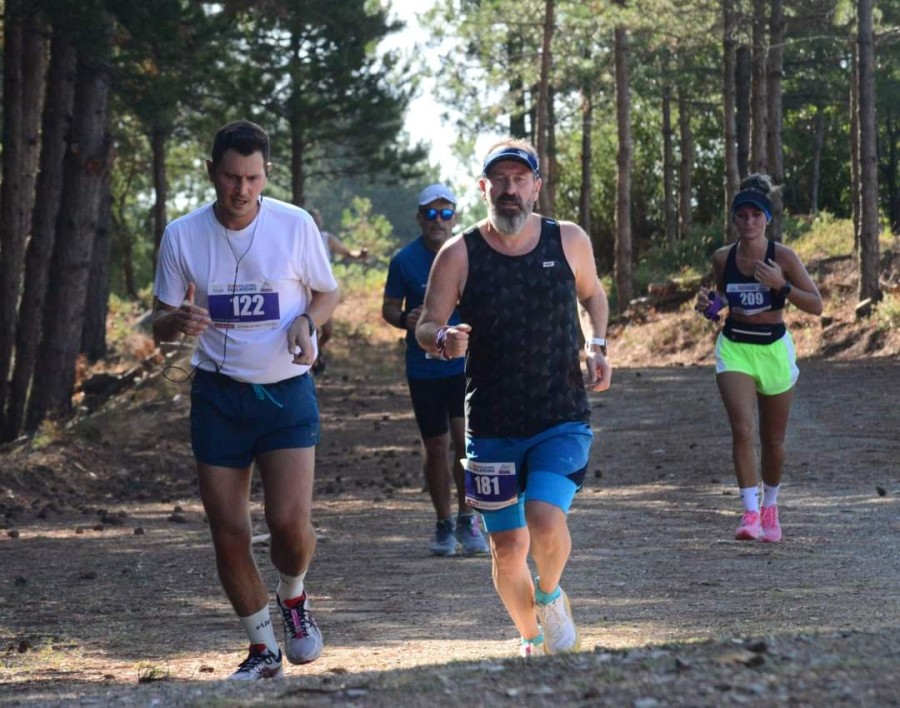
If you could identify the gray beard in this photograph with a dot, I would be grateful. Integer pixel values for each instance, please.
(508, 225)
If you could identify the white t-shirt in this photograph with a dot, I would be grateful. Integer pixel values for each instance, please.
(254, 283)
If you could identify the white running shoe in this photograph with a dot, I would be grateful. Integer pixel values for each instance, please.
(260, 664)
(302, 638)
(528, 650)
(560, 632)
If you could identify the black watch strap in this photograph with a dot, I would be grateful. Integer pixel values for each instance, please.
(312, 324)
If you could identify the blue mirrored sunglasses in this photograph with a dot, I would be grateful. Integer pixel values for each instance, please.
(431, 214)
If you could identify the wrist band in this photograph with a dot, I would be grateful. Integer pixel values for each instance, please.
(404, 315)
(440, 341)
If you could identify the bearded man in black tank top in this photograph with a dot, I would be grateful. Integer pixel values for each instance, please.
(518, 279)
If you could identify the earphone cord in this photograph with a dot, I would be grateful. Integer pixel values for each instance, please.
(189, 375)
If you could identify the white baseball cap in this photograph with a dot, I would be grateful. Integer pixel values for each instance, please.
(434, 192)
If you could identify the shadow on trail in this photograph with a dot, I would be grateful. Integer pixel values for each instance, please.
(654, 578)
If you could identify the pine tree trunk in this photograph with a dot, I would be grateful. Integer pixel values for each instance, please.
(587, 123)
(543, 123)
(686, 166)
(516, 84)
(868, 158)
(758, 99)
(732, 177)
(669, 214)
(57, 116)
(774, 124)
(158, 138)
(623, 265)
(23, 90)
(93, 332)
(815, 177)
(86, 163)
(892, 172)
(743, 83)
(855, 190)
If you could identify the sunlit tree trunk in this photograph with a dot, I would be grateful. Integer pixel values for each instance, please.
(587, 123)
(743, 82)
(159, 136)
(623, 265)
(815, 177)
(669, 213)
(686, 166)
(868, 157)
(758, 99)
(543, 117)
(732, 178)
(774, 124)
(516, 85)
(855, 190)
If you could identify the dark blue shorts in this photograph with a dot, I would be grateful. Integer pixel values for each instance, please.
(232, 422)
(436, 401)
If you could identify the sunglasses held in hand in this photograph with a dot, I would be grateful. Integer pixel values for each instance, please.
(432, 214)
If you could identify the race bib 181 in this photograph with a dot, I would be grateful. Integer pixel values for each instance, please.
(491, 485)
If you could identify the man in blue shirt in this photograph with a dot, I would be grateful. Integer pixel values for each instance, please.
(436, 386)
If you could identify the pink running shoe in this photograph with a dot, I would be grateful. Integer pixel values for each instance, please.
(771, 529)
(749, 529)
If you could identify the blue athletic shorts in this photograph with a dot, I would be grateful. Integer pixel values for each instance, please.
(232, 422)
(550, 467)
(436, 401)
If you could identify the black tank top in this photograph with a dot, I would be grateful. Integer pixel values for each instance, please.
(522, 371)
(745, 295)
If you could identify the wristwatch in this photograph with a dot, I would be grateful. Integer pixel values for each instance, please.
(312, 324)
(785, 289)
(596, 342)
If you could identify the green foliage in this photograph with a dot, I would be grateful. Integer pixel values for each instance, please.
(887, 313)
(819, 237)
(362, 228)
(687, 258)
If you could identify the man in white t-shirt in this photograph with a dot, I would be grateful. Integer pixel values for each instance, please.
(249, 277)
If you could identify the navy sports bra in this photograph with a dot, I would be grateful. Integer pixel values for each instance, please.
(745, 295)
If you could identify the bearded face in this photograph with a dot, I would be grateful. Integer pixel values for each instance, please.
(511, 190)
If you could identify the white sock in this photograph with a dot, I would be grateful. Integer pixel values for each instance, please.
(260, 630)
(770, 494)
(750, 497)
(290, 586)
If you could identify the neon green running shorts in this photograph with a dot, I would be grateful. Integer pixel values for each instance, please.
(773, 366)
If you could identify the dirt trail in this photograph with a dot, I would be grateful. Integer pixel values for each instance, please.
(672, 611)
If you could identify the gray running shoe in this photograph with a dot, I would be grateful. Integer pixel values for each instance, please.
(560, 632)
(468, 533)
(302, 638)
(260, 664)
(444, 539)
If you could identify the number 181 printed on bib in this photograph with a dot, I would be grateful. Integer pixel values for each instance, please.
(491, 485)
